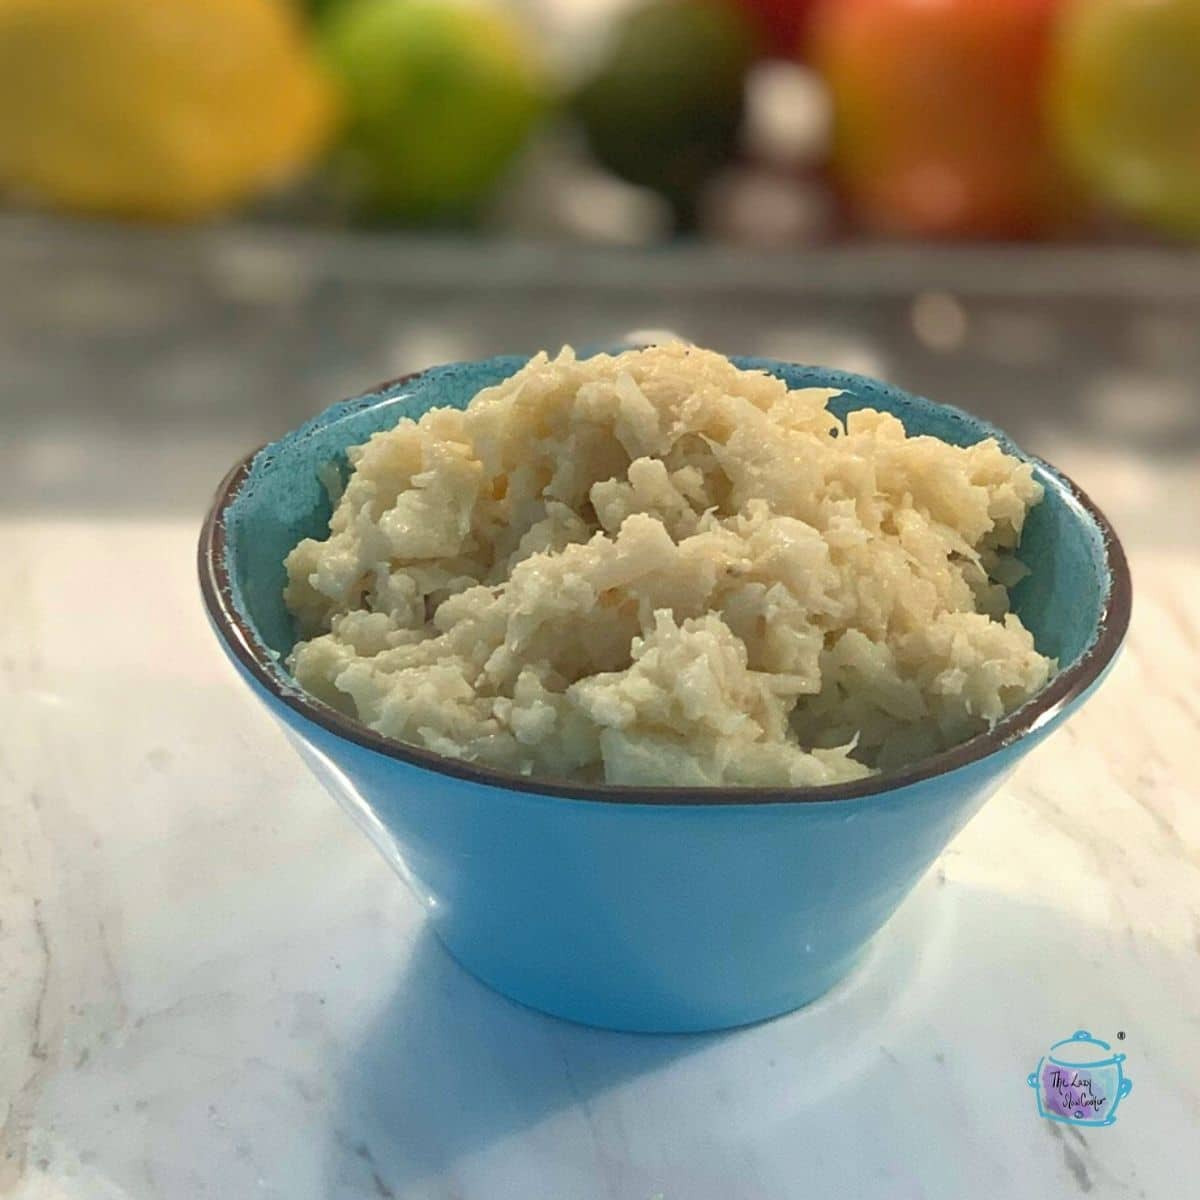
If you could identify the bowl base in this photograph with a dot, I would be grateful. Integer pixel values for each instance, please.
(654, 1017)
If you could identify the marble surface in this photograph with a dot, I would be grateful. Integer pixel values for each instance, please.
(212, 986)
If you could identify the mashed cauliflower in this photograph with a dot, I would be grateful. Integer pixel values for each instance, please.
(657, 568)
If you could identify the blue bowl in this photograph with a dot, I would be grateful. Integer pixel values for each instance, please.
(657, 909)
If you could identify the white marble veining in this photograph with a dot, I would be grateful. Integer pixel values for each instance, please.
(212, 986)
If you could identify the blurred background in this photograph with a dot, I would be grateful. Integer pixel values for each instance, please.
(221, 215)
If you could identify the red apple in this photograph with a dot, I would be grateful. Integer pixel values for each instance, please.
(782, 25)
(939, 125)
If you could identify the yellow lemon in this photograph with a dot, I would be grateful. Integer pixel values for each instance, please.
(165, 109)
(1126, 105)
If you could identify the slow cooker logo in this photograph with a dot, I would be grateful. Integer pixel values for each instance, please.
(1080, 1081)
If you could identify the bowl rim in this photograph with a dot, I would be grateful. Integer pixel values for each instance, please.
(1066, 686)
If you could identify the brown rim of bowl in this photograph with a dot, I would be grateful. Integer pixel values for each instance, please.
(1062, 690)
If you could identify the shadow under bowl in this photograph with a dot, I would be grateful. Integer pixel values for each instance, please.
(652, 909)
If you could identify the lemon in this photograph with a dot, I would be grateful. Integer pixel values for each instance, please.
(1125, 102)
(162, 109)
(439, 98)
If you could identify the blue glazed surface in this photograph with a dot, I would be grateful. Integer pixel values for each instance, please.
(668, 917)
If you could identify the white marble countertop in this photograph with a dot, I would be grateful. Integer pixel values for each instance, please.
(212, 986)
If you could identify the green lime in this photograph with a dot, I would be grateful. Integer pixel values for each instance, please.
(439, 99)
(665, 107)
(318, 8)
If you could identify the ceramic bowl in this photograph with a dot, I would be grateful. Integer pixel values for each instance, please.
(664, 909)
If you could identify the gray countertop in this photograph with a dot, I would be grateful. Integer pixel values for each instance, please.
(170, 353)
